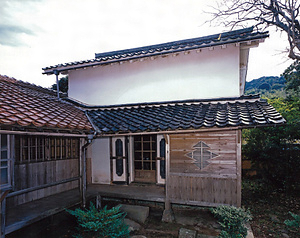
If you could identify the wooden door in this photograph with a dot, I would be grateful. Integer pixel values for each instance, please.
(145, 158)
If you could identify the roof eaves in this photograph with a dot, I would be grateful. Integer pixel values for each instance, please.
(164, 103)
(159, 49)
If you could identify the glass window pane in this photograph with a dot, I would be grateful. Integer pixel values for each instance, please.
(3, 141)
(162, 146)
(147, 156)
(119, 147)
(138, 165)
(63, 148)
(146, 146)
(137, 156)
(75, 148)
(4, 154)
(3, 164)
(153, 166)
(25, 154)
(146, 165)
(137, 146)
(4, 176)
(17, 148)
(33, 153)
(52, 148)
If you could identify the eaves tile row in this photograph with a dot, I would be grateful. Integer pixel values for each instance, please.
(185, 116)
(246, 34)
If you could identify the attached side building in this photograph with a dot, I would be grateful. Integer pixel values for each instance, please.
(41, 141)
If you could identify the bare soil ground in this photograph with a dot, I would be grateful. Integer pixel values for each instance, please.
(270, 208)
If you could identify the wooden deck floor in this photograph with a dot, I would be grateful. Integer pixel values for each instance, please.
(143, 192)
(28, 213)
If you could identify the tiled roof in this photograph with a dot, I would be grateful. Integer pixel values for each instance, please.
(247, 111)
(30, 106)
(242, 35)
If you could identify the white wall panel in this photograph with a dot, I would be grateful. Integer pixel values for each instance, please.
(101, 161)
(196, 75)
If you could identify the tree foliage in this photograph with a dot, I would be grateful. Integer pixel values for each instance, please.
(282, 14)
(63, 85)
(292, 77)
(275, 151)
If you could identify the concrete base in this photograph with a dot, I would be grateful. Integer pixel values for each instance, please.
(250, 232)
(186, 233)
(168, 216)
(136, 213)
(132, 225)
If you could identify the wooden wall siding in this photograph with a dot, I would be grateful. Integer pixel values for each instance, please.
(213, 185)
(224, 144)
(203, 191)
(41, 173)
(89, 170)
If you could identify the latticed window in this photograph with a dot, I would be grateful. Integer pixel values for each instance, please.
(42, 148)
(145, 152)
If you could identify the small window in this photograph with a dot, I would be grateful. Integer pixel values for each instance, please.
(119, 148)
(145, 152)
(5, 162)
(29, 149)
(162, 148)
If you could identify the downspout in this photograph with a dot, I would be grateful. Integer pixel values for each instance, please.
(91, 137)
(57, 84)
(83, 164)
(127, 159)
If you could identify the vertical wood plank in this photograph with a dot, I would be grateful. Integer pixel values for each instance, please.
(239, 168)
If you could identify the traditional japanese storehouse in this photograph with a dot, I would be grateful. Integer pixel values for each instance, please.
(171, 115)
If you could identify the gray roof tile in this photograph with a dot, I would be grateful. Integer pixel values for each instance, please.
(246, 34)
(182, 115)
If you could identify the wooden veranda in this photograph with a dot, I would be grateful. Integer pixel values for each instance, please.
(28, 213)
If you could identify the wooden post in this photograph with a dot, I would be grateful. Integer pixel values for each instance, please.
(57, 82)
(98, 201)
(84, 178)
(3, 216)
(239, 168)
(168, 215)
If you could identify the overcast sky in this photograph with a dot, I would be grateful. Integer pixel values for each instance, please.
(40, 33)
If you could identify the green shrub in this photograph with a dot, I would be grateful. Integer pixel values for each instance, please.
(108, 223)
(232, 221)
(293, 225)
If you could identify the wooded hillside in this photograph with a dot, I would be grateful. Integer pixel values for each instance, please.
(266, 85)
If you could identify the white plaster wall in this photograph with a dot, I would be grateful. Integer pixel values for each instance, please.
(197, 75)
(101, 161)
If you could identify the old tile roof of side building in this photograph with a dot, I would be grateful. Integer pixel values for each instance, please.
(236, 36)
(245, 111)
(24, 105)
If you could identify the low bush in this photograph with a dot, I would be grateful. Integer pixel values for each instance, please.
(107, 223)
(232, 221)
(293, 225)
